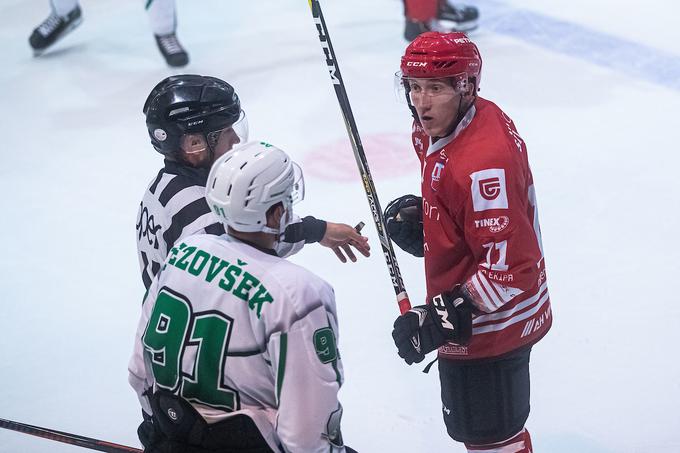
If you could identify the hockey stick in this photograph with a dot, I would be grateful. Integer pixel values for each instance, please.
(73, 439)
(360, 156)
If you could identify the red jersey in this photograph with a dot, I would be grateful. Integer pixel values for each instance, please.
(481, 230)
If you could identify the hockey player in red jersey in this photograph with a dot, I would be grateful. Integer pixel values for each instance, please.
(477, 228)
(438, 15)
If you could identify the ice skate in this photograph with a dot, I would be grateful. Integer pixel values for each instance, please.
(53, 29)
(172, 50)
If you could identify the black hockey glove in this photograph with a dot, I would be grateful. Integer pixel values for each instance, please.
(404, 223)
(422, 329)
(154, 441)
(149, 435)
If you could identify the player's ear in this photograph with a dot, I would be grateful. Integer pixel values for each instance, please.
(468, 87)
(274, 214)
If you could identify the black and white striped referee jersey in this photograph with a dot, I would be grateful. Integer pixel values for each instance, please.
(174, 207)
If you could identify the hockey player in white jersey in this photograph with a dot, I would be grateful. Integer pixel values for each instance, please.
(236, 348)
(66, 15)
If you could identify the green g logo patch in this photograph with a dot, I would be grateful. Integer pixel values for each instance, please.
(324, 344)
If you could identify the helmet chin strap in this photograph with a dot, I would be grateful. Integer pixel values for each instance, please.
(211, 153)
(286, 219)
(414, 112)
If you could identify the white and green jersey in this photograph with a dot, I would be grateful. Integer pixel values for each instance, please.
(235, 330)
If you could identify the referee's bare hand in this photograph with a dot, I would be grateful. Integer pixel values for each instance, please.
(342, 238)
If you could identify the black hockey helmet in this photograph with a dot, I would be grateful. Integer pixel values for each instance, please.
(188, 103)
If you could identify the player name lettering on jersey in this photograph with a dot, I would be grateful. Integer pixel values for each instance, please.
(195, 261)
(502, 277)
(519, 143)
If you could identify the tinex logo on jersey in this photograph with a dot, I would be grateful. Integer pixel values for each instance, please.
(495, 224)
(488, 189)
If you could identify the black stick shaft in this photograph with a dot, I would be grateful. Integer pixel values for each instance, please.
(360, 156)
(67, 438)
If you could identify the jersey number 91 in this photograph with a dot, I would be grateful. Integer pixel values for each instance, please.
(172, 327)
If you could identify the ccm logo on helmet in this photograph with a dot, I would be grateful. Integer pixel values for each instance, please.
(417, 64)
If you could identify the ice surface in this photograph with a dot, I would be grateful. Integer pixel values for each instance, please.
(593, 87)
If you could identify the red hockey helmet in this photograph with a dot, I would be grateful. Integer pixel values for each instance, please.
(434, 55)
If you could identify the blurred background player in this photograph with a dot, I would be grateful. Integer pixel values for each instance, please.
(66, 15)
(236, 349)
(192, 120)
(477, 227)
(438, 15)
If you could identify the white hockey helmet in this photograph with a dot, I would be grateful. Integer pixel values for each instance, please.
(244, 183)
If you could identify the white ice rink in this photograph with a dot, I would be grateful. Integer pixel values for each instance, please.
(593, 86)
